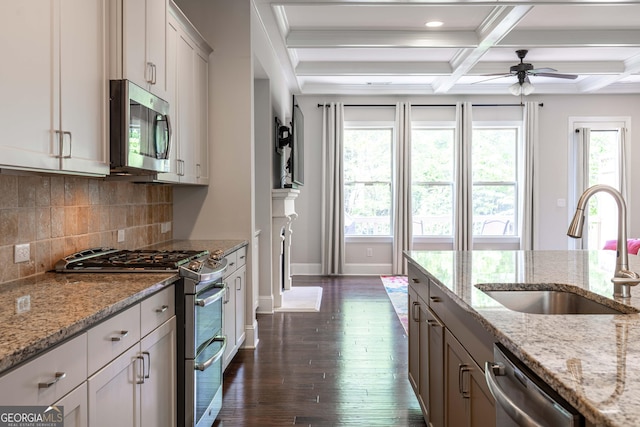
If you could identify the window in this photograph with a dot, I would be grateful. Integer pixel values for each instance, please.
(494, 158)
(432, 180)
(368, 180)
(597, 148)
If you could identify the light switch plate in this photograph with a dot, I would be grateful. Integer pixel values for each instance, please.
(120, 236)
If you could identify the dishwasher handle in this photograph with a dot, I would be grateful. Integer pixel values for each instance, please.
(509, 406)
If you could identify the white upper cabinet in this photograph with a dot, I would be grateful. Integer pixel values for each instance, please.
(54, 93)
(141, 52)
(188, 95)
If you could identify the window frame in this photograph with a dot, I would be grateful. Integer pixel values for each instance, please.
(365, 125)
(497, 241)
(434, 239)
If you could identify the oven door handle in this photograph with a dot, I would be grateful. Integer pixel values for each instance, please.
(203, 366)
(210, 300)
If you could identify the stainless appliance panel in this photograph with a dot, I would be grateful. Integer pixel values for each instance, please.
(522, 399)
(203, 318)
(140, 130)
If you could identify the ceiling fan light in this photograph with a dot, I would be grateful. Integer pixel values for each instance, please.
(515, 89)
(527, 88)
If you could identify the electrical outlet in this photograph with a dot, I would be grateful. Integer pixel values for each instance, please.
(23, 304)
(21, 253)
(165, 227)
(369, 252)
(120, 236)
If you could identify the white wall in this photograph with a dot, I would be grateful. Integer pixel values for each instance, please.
(551, 173)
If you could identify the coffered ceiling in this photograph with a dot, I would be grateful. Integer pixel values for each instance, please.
(384, 47)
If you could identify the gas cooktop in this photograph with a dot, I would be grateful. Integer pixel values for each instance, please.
(109, 260)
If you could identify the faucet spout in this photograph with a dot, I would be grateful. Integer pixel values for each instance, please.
(623, 278)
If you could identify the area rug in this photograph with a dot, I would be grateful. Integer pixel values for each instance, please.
(396, 287)
(301, 298)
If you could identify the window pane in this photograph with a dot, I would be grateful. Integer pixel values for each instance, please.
(432, 213)
(432, 171)
(494, 210)
(432, 152)
(494, 154)
(367, 181)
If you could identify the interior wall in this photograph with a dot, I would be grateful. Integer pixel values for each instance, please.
(551, 174)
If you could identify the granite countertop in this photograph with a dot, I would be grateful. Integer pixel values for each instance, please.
(62, 305)
(593, 361)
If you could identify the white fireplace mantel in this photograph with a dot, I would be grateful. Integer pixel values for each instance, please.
(283, 213)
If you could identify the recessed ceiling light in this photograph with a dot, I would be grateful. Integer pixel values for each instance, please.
(433, 24)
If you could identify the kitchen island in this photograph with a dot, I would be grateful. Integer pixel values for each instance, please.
(592, 361)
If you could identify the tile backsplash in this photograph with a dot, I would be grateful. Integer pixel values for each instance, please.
(59, 215)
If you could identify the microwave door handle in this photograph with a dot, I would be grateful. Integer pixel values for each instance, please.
(167, 132)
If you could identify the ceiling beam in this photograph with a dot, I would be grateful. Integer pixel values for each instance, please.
(567, 38)
(498, 24)
(592, 84)
(298, 39)
(368, 68)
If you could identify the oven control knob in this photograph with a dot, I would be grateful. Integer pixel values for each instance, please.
(195, 265)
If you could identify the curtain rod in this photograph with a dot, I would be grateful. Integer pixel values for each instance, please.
(433, 105)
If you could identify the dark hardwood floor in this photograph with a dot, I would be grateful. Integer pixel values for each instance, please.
(343, 366)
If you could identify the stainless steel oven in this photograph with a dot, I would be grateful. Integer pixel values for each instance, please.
(204, 345)
(199, 299)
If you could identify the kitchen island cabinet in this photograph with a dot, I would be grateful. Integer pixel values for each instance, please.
(590, 360)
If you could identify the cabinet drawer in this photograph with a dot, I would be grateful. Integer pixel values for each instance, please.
(156, 310)
(438, 301)
(47, 378)
(232, 263)
(112, 337)
(419, 283)
(241, 255)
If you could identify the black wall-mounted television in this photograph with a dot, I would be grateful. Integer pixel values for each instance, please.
(296, 160)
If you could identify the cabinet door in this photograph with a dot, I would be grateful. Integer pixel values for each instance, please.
(434, 380)
(468, 399)
(159, 387)
(157, 11)
(27, 84)
(134, 16)
(75, 407)
(229, 319)
(202, 99)
(114, 392)
(414, 340)
(187, 103)
(83, 86)
(239, 281)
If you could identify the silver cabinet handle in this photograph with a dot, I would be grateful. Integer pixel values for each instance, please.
(203, 366)
(149, 72)
(415, 305)
(226, 293)
(146, 353)
(491, 370)
(415, 280)
(65, 132)
(142, 377)
(122, 335)
(238, 283)
(462, 369)
(435, 299)
(58, 376)
(153, 78)
(162, 309)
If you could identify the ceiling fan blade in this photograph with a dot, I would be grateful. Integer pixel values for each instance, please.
(556, 75)
(542, 70)
(495, 76)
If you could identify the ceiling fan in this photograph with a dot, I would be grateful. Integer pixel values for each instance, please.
(523, 70)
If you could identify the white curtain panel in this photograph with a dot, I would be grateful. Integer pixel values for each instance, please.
(332, 192)
(583, 136)
(402, 218)
(528, 190)
(463, 222)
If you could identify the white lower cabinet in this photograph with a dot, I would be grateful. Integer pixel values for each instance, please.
(234, 304)
(75, 407)
(114, 392)
(109, 375)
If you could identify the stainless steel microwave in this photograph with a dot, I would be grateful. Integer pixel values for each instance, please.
(140, 130)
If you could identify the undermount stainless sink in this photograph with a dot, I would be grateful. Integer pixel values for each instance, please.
(552, 302)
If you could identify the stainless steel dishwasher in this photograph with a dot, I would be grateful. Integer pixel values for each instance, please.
(522, 399)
